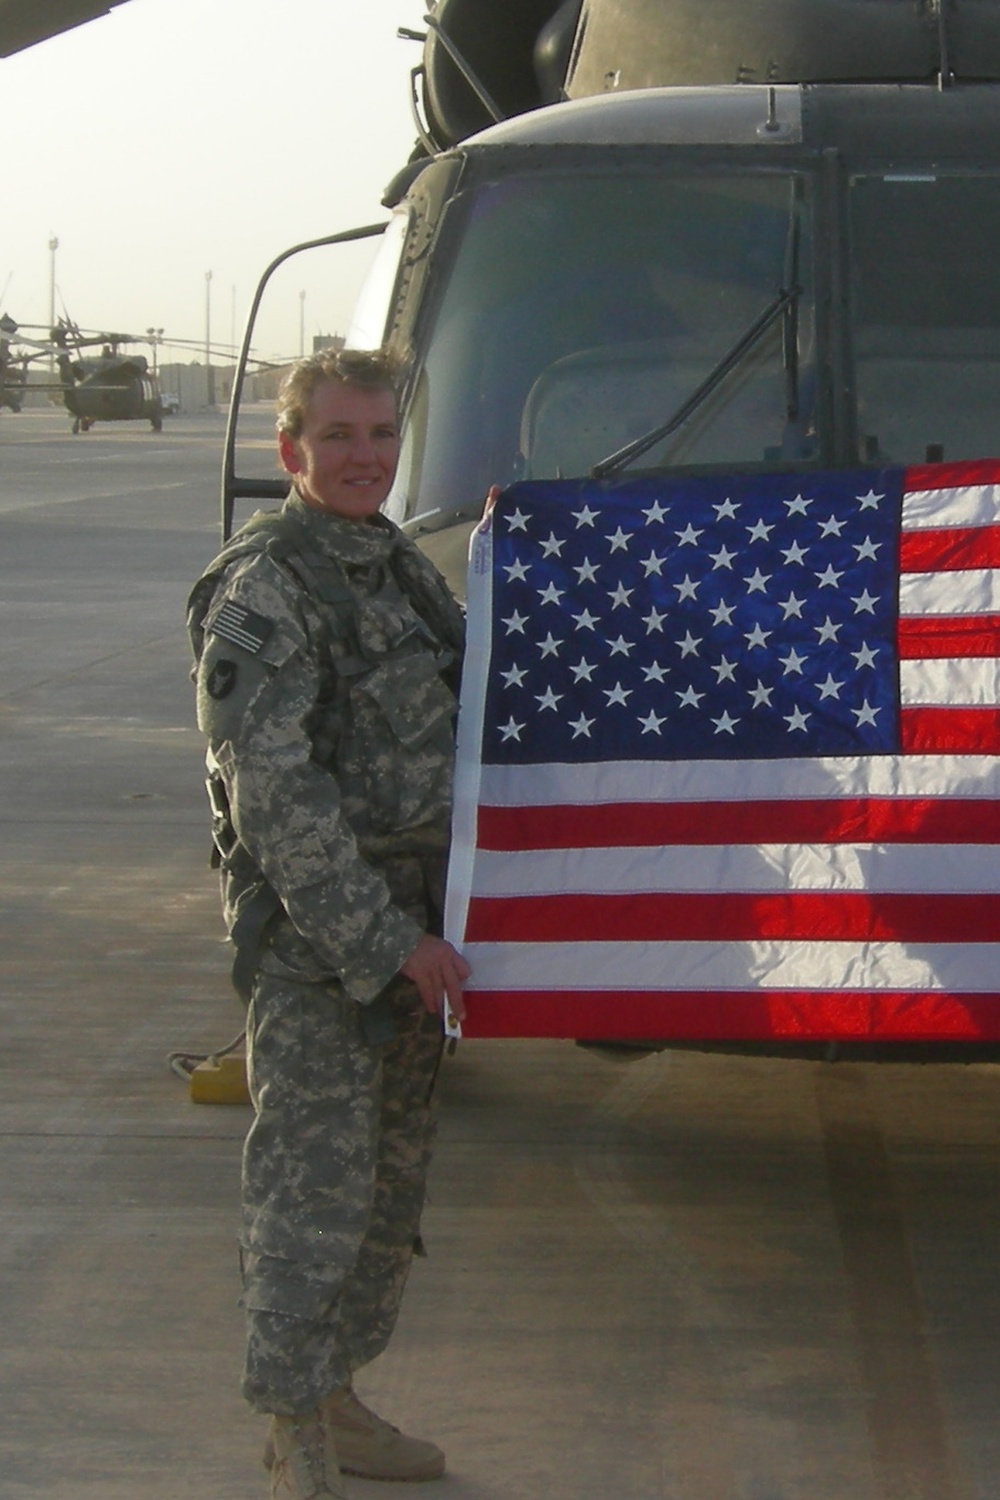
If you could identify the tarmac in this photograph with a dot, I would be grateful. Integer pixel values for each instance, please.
(666, 1276)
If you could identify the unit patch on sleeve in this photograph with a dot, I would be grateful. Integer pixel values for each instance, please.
(242, 627)
(221, 679)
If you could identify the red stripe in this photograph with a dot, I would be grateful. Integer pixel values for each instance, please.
(952, 476)
(950, 731)
(740, 1015)
(926, 636)
(647, 917)
(862, 820)
(949, 549)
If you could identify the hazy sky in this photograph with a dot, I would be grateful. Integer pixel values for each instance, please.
(176, 137)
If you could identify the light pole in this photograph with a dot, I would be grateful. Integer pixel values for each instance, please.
(53, 247)
(302, 324)
(155, 336)
(209, 372)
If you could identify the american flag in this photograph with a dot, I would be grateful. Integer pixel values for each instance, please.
(727, 759)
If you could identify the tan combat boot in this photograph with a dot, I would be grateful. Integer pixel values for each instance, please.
(371, 1447)
(304, 1462)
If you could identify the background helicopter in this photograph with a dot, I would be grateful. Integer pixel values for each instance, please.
(112, 386)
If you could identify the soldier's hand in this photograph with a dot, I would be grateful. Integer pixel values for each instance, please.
(439, 971)
(492, 496)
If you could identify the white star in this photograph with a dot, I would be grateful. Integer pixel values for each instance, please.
(792, 606)
(655, 512)
(689, 646)
(865, 603)
(757, 636)
(757, 582)
(517, 522)
(510, 730)
(831, 526)
(829, 577)
(867, 548)
(621, 596)
(725, 725)
(550, 646)
(722, 559)
(725, 671)
(553, 547)
(727, 508)
(587, 571)
(514, 676)
(829, 688)
(585, 517)
(794, 553)
(583, 670)
(653, 621)
(651, 723)
(617, 694)
(759, 532)
(518, 570)
(621, 647)
(870, 501)
(620, 540)
(655, 673)
(687, 589)
(866, 656)
(653, 564)
(586, 621)
(828, 630)
(866, 714)
(797, 719)
(761, 695)
(515, 622)
(688, 537)
(548, 699)
(550, 595)
(690, 698)
(723, 613)
(792, 662)
(580, 726)
(798, 506)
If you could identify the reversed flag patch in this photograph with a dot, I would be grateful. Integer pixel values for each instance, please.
(242, 627)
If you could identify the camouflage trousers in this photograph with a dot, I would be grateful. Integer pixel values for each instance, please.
(334, 1173)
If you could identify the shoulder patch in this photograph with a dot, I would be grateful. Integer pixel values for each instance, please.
(221, 679)
(242, 627)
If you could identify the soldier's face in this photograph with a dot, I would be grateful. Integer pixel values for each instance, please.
(344, 460)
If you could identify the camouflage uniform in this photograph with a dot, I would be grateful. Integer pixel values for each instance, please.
(326, 655)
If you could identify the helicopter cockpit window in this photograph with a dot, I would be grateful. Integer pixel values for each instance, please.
(926, 321)
(584, 309)
(371, 313)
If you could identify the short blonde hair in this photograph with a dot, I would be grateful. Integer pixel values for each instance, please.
(371, 369)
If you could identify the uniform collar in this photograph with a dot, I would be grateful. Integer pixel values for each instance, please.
(345, 541)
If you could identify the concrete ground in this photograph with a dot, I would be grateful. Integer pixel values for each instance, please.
(685, 1276)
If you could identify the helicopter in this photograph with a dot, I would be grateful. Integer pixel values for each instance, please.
(12, 377)
(111, 386)
(689, 239)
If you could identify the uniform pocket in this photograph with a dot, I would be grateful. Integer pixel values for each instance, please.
(403, 718)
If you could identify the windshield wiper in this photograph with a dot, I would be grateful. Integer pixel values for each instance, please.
(616, 462)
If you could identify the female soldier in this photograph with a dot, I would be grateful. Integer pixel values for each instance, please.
(327, 650)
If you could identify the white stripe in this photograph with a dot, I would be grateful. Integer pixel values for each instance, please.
(468, 769)
(966, 505)
(741, 780)
(965, 591)
(910, 868)
(964, 968)
(942, 681)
